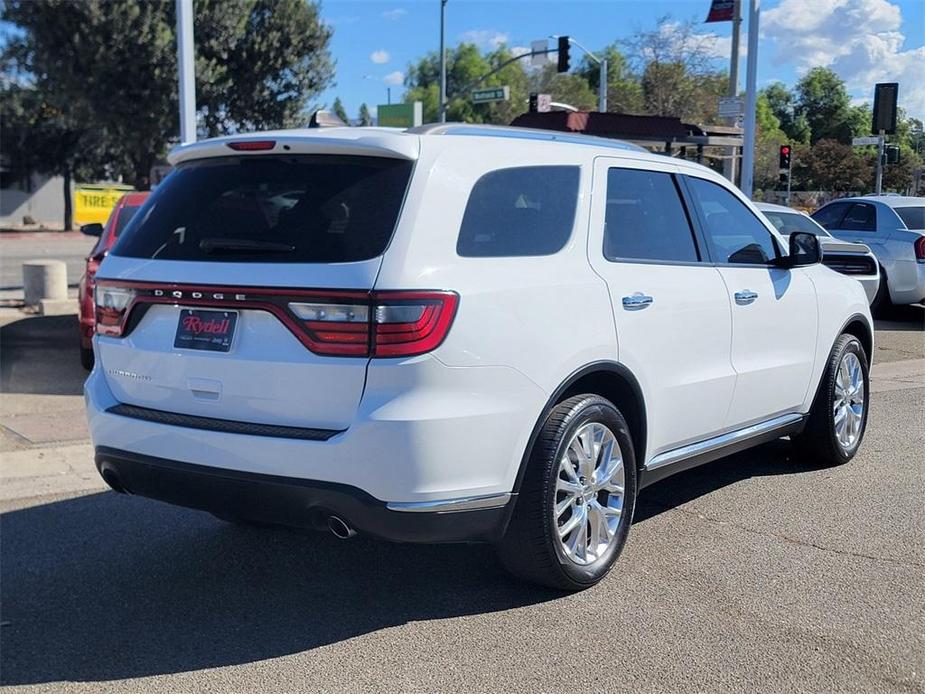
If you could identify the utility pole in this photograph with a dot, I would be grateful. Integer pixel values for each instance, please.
(442, 107)
(881, 141)
(185, 66)
(602, 92)
(729, 166)
(751, 97)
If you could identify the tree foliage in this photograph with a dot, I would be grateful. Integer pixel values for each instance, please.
(340, 111)
(109, 70)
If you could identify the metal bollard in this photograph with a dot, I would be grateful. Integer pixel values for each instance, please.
(44, 279)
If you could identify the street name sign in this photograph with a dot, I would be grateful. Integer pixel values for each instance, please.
(400, 115)
(861, 141)
(487, 96)
(731, 107)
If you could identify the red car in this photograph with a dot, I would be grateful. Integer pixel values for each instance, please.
(120, 216)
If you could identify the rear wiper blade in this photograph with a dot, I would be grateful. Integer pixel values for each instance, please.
(220, 245)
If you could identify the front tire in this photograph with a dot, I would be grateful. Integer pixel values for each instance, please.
(576, 502)
(86, 358)
(838, 418)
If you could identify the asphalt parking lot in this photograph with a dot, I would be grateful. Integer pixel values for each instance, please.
(759, 572)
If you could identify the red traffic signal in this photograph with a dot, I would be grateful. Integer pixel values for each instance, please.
(785, 154)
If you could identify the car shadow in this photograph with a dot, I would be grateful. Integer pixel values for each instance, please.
(902, 318)
(105, 587)
(40, 355)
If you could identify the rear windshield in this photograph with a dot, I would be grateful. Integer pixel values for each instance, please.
(283, 209)
(913, 217)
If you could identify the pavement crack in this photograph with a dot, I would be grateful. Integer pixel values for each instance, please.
(797, 541)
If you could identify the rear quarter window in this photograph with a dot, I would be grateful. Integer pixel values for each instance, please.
(269, 208)
(522, 211)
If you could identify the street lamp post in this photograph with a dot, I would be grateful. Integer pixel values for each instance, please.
(751, 98)
(442, 107)
(187, 75)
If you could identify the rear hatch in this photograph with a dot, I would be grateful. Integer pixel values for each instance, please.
(241, 290)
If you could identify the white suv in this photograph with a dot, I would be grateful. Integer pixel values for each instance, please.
(459, 333)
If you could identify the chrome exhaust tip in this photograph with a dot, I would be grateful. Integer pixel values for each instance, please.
(340, 529)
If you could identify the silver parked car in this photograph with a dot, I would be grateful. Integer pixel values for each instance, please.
(853, 259)
(893, 227)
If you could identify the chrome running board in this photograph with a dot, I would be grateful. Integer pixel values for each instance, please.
(717, 443)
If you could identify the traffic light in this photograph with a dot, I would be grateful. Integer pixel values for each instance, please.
(892, 154)
(563, 64)
(782, 179)
(534, 102)
(785, 152)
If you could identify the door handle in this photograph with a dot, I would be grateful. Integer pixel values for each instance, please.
(745, 297)
(637, 301)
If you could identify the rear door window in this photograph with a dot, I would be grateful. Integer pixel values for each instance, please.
(523, 211)
(830, 216)
(645, 218)
(284, 209)
(860, 217)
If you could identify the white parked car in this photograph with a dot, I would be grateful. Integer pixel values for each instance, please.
(893, 226)
(459, 333)
(853, 259)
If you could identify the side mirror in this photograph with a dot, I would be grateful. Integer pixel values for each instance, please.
(804, 250)
(95, 229)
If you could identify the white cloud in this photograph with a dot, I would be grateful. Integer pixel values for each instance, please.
(394, 78)
(861, 40)
(485, 38)
(397, 13)
(380, 57)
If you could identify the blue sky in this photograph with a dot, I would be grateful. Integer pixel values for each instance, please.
(864, 41)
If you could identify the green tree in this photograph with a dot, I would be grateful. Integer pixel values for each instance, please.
(676, 64)
(823, 100)
(466, 65)
(564, 87)
(258, 63)
(624, 92)
(364, 118)
(835, 167)
(340, 111)
(782, 104)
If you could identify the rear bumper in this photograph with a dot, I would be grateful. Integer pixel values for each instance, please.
(290, 501)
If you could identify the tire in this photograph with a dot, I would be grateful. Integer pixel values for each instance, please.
(86, 358)
(822, 441)
(531, 548)
(881, 305)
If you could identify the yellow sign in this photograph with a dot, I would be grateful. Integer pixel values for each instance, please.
(93, 203)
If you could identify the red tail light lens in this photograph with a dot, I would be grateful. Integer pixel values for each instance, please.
(920, 249)
(410, 323)
(387, 324)
(112, 309)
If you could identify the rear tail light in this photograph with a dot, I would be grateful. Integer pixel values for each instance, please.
(920, 249)
(341, 323)
(387, 324)
(112, 308)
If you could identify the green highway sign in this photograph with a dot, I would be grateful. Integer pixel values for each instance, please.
(487, 96)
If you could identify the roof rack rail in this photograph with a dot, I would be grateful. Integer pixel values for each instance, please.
(504, 131)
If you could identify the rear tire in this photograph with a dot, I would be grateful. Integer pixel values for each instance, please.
(838, 418)
(576, 501)
(881, 305)
(86, 358)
